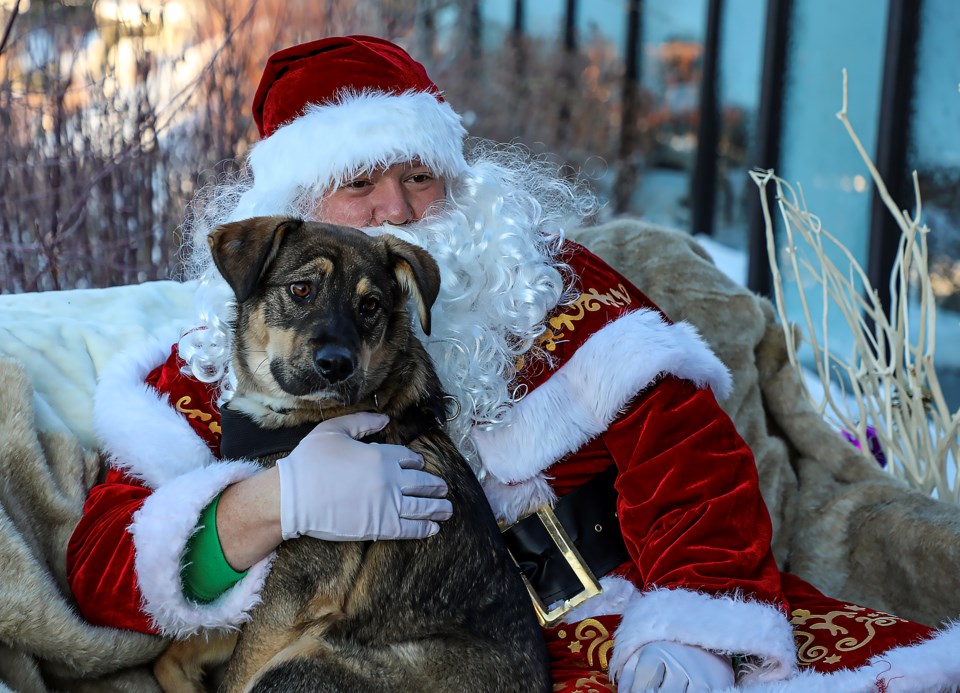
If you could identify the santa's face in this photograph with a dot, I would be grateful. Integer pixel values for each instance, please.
(396, 195)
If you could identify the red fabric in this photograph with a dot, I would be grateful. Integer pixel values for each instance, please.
(690, 504)
(579, 653)
(192, 398)
(832, 635)
(690, 508)
(314, 73)
(100, 554)
(603, 296)
(689, 497)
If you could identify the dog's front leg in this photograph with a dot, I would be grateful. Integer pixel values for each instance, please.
(181, 667)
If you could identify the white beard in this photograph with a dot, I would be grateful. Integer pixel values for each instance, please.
(496, 290)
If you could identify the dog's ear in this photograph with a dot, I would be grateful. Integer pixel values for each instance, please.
(243, 250)
(418, 275)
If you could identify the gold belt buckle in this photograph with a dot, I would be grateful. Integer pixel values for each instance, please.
(562, 540)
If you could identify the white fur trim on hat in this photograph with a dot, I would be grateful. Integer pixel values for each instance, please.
(161, 528)
(364, 130)
(587, 393)
(143, 435)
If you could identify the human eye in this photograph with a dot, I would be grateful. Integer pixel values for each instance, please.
(356, 184)
(421, 177)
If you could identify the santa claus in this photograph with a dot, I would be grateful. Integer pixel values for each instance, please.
(575, 394)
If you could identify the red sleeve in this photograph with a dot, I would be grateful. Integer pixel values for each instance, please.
(689, 498)
(100, 555)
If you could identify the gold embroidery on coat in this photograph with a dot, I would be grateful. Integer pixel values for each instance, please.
(808, 654)
(592, 684)
(197, 414)
(598, 641)
(588, 302)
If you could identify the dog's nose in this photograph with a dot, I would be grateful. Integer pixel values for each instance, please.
(335, 363)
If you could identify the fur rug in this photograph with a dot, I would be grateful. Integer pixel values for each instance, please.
(52, 345)
(46, 644)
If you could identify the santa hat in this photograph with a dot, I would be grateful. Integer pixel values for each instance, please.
(329, 108)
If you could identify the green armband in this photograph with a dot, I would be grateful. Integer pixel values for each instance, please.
(204, 571)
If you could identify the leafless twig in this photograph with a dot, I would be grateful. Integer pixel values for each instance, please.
(890, 375)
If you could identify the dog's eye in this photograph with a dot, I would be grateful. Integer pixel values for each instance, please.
(300, 291)
(369, 305)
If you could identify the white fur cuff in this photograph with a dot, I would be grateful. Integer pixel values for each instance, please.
(588, 392)
(928, 667)
(144, 436)
(161, 529)
(721, 624)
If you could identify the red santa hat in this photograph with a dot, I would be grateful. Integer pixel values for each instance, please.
(331, 107)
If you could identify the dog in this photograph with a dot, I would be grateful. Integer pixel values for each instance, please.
(446, 613)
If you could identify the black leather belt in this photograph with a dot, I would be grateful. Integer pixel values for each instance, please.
(588, 518)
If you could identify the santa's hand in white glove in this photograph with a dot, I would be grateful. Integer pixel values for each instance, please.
(334, 487)
(670, 667)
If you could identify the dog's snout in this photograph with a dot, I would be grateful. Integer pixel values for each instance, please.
(335, 363)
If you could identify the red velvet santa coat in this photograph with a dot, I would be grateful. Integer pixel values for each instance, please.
(623, 387)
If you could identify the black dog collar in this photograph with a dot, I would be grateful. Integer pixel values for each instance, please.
(243, 438)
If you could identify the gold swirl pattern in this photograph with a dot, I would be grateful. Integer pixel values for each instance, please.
(203, 416)
(588, 684)
(808, 653)
(588, 302)
(597, 638)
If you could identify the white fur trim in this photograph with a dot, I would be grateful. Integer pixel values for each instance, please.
(161, 528)
(722, 624)
(330, 142)
(617, 593)
(511, 502)
(586, 394)
(141, 432)
(928, 667)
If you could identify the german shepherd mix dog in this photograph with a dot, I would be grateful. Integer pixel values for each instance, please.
(447, 613)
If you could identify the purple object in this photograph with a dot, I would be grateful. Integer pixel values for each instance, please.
(873, 441)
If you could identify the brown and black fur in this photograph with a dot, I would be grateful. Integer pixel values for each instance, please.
(447, 613)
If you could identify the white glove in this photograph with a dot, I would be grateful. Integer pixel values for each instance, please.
(337, 488)
(670, 667)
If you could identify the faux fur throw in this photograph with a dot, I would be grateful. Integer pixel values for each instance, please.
(46, 644)
(52, 346)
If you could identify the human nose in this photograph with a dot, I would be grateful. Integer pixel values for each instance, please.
(391, 204)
